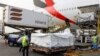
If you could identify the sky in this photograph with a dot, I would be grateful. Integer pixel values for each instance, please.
(28, 4)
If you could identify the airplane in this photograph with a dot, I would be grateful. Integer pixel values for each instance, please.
(62, 10)
(56, 9)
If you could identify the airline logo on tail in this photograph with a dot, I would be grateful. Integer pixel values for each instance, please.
(51, 9)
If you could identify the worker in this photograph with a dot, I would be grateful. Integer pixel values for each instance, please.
(19, 43)
(25, 44)
(28, 33)
(95, 42)
(6, 39)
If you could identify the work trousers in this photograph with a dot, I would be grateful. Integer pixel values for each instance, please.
(20, 47)
(25, 51)
(95, 46)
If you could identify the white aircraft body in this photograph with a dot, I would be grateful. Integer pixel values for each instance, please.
(62, 9)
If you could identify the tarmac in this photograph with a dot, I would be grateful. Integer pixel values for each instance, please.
(6, 50)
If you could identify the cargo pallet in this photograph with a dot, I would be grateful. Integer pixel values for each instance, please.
(47, 50)
(83, 46)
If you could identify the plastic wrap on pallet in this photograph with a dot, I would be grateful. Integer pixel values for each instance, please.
(53, 39)
(86, 17)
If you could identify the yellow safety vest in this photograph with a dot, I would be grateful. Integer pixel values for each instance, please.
(94, 39)
(24, 41)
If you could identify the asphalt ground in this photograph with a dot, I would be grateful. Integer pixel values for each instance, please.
(6, 50)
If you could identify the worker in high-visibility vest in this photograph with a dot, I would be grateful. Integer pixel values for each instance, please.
(95, 42)
(25, 44)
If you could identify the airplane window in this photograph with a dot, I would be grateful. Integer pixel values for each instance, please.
(72, 8)
(59, 10)
(67, 8)
(62, 9)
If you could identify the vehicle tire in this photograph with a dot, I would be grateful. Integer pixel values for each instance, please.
(11, 44)
(48, 52)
